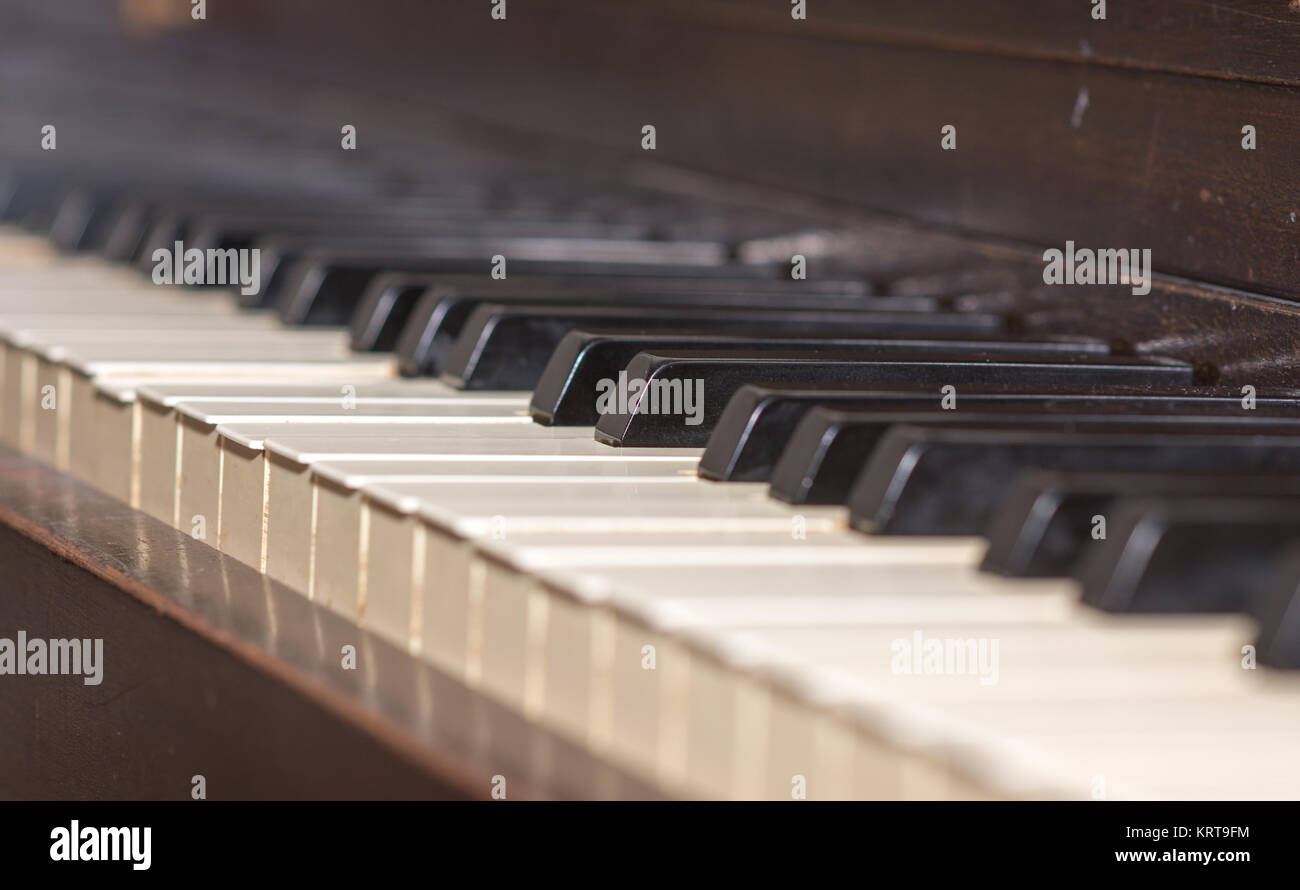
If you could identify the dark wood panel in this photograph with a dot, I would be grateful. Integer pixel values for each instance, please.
(1236, 39)
(1235, 339)
(212, 669)
(1048, 150)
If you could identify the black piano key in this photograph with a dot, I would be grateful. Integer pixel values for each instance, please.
(974, 278)
(1189, 554)
(508, 346)
(124, 240)
(315, 287)
(722, 376)
(306, 292)
(441, 314)
(932, 480)
(84, 219)
(1277, 608)
(828, 448)
(205, 222)
(410, 233)
(120, 224)
(415, 224)
(384, 311)
(324, 287)
(758, 420)
(565, 393)
(33, 200)
(374, 221)
(1045, 524)
(13, 193)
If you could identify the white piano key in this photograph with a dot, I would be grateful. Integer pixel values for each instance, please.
(243, 475)
(508, 567)
(548, 444)
(24, 328)
(342, 514)
(539, 565)
(1166, 658)
(713, 509)
(81, 278)
(161, 434)
(42, 388)
(482, 504)
(391, 557)
(579, 595)
(21, 350)
(424, 431)
(144, 328)
(104, 419)
(664, 580)
(395, 390)
(20, 250)
(201, 455)
(104, 438)
(354, 462)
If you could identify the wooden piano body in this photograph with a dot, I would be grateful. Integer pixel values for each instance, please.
(1127, 131)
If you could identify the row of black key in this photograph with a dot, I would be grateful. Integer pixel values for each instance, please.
(920, 419)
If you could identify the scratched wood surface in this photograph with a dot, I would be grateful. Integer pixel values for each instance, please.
(1047, 150)
(1124, 133)
(211, 669)
(1233, 39)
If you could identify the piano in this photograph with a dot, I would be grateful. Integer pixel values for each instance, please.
(675, 400)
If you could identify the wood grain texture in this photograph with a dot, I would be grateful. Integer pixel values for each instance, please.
(1051, 147)
(1233, 39)
(212, 669)
(1048, 150)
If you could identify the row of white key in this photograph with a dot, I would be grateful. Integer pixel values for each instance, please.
(539, 566)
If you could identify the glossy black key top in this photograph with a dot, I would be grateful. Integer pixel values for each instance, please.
(723, 375)
(325, 288)
(205, 222)
(395, 300)
(1189, 554)
(1048, 520)
(508, 346)
(828, 448)
(930, 480)
(567, 390)
(758, 420)
(1277, 608)
(409, 228)
(84, 219)
(443, 311)
(124, 239)
(31, 198)
(968, 279)
(384, 310)
(395, 224)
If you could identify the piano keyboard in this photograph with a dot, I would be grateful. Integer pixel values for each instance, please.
(868, 567)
